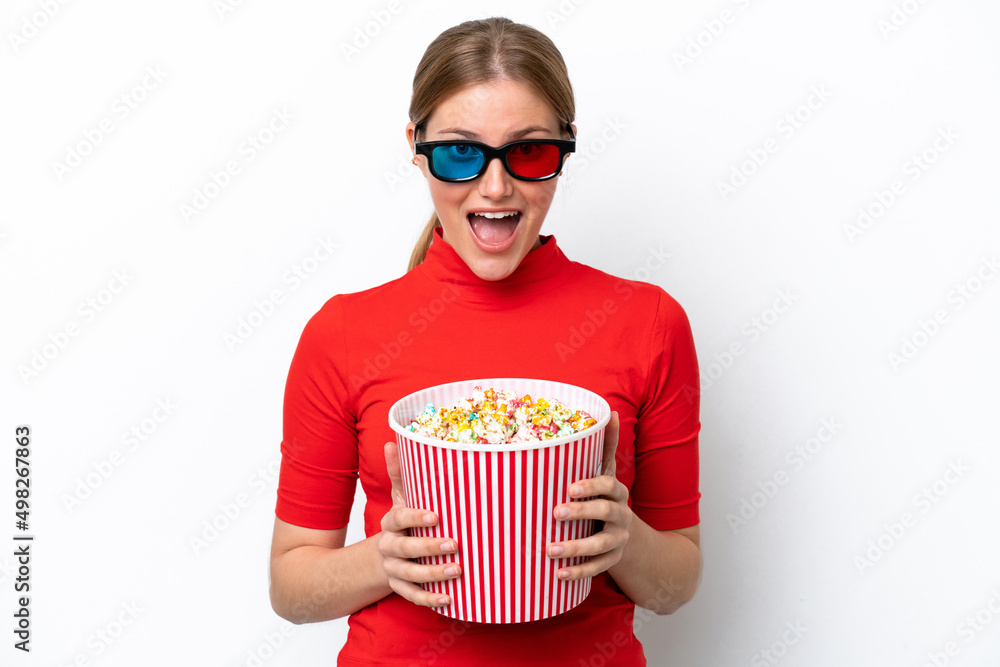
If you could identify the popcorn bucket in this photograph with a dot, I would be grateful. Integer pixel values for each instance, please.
(497, 501)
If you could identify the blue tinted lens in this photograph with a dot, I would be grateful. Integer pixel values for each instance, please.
(460, 161)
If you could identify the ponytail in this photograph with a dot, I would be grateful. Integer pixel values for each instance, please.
(424, 243)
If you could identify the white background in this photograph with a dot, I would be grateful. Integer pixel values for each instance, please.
(819, 550)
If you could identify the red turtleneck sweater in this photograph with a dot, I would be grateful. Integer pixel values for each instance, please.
(551, 318)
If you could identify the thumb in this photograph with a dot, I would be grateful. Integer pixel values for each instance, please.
(392, 467)
(608, 464)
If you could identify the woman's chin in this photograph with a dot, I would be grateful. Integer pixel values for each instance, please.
(493, 268)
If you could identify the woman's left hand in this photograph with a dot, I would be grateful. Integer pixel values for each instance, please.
(608, 504)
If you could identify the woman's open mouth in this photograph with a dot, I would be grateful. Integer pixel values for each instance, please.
(494, 231)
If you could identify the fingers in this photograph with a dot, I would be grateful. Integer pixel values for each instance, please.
(608, 465)
(398, 549)
(599, 509)
(605, 486)
(613, 519)
(599, 543)
(418, 595)
(604, 549)
(398, 519)
(405, 575)
(418, 573)
(591, 568)
(392, 467)
(396, 545)
(608, 506)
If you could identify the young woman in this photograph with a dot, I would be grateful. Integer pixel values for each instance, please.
(488, 296)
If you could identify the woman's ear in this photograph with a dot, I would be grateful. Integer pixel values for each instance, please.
(568, 155)
(411, 128)
(411, 136)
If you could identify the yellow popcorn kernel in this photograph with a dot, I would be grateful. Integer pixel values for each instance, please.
(541, 420)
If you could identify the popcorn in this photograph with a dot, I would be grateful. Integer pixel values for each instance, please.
(499, 417)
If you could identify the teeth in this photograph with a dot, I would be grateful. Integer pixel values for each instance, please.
(496, 214)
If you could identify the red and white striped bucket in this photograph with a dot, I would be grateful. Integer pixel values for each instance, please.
(497, 501)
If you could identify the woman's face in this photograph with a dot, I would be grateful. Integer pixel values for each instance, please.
(495, 114)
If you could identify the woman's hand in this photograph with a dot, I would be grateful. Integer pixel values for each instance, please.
(397, 548)
(610, 506)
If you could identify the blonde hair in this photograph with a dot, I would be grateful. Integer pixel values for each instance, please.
(482, 51)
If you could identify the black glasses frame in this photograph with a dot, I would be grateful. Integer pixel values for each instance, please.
(565, 147)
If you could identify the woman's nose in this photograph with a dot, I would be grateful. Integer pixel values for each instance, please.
(496, 183)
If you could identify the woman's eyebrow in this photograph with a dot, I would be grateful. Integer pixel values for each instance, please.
(511, 136)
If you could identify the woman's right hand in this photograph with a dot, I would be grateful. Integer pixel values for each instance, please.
(397, 548)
